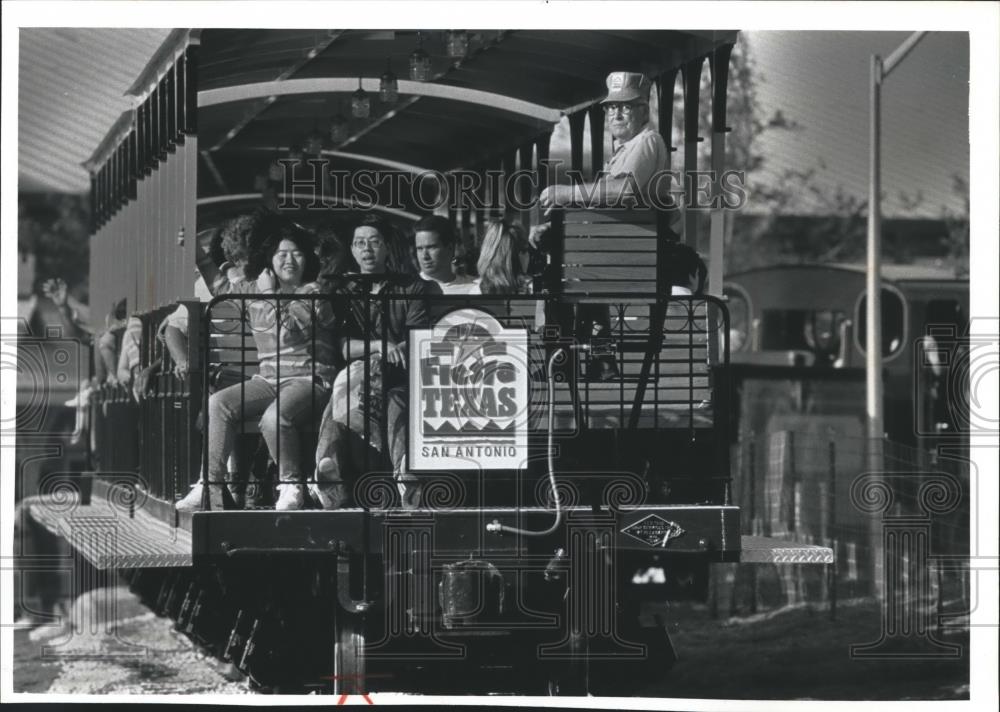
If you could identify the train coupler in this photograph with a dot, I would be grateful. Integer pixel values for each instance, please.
(344, 598)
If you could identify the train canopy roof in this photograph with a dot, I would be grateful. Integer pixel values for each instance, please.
(262, 91)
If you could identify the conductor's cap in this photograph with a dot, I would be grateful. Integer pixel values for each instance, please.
(627, 86)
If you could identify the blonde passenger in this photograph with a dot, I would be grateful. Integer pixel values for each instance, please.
(503, 261)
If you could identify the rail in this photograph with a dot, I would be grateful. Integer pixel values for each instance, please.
(660, 417)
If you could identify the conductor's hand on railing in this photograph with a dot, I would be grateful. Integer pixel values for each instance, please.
(538, 235)
(556, 195)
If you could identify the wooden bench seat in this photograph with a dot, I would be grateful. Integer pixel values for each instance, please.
(607, 251)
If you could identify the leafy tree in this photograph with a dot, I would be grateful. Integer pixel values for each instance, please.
(777, 231)
(769, 236)
(55, 228)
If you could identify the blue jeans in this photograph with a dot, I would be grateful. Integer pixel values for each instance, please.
(355, 405)
(283, 410)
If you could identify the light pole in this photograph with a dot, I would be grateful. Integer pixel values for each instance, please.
(874, 403)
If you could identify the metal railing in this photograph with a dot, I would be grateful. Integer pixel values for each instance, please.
(662, 415)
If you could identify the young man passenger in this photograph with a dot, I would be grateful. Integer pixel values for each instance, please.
(435, 242)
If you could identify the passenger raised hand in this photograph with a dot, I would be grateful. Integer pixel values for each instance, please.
(181, 368)
(266, 280)
(140, 386)
(55, 289)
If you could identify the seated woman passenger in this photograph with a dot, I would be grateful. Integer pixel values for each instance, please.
(505, 267)
(381, 268)
(297, 361)
(503, 261)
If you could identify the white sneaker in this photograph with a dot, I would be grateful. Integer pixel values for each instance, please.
(191, 501)
(329, 495)
(290, 498)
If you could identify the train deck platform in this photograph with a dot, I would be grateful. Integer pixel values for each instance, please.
(766, 550)
(113, 532)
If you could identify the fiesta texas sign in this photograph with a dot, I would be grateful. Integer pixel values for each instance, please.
(468, 394)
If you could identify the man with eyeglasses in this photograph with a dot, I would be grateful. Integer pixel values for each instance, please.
(350, 439)
(639, 154)
(639, 151)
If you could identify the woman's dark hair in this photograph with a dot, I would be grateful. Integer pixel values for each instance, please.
(333, 254)
(238, 236)
(268, 234)
(215, 247)
(119, 310)
(681, 261)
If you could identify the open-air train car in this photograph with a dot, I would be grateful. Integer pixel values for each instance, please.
(494, 581)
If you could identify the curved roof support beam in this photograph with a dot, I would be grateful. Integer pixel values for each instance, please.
(375, 160)
(359, 157)
(321, 85)
(329, 201)
(287, 72)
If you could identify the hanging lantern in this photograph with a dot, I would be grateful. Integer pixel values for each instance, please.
(338, 129)
(420, 63)
(314, 143)
(457, 42)
(388, 87)
(361, 105)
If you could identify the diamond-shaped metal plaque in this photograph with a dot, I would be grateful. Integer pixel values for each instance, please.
(654, 530)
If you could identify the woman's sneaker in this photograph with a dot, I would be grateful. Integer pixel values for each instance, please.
(237, 490)
(192, 501)
(290, 497)
(329, 495)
